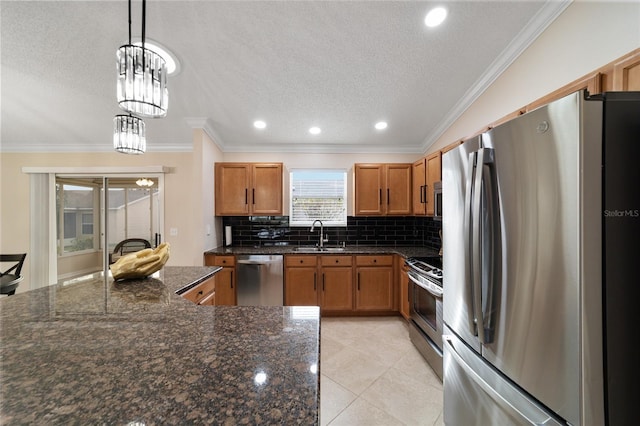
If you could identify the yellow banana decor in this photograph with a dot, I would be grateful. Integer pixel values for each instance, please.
(141, 263)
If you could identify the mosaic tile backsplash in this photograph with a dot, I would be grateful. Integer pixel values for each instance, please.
(384, 231)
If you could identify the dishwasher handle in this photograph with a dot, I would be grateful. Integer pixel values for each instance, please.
(252, 262)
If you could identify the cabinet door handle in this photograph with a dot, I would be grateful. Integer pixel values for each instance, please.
(323, 281)
(358, 281)
(388, 196)
(421, 194)
(231, 279)
(426, 200)
(253, 196)
(246, 195)
(314, 280)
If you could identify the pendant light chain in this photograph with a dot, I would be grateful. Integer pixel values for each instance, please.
(144, 20)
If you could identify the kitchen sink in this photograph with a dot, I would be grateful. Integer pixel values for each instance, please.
(333, 249)
(303, 249)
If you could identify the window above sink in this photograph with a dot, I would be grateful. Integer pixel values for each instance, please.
(318, 194)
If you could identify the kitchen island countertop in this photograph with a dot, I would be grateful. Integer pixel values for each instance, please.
(135, 352)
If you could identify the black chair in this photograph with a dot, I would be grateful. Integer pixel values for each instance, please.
(130, 245)
(10, 279)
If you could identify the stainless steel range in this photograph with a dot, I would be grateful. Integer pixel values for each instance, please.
(425, 300)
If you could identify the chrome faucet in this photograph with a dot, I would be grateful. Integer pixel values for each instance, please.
(322, 239)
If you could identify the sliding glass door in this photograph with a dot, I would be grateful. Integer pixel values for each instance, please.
(95, 213)
(133, 210)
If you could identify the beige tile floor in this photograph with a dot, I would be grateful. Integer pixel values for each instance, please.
(371, 374)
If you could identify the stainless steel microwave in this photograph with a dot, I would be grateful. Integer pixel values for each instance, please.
(437, 199)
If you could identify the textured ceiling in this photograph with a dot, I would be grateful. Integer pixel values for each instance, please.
(340, 65)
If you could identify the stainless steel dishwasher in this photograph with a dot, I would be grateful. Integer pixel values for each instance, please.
(260, 281)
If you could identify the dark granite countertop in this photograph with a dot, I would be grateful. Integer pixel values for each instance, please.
(138, 353)
(293, 249)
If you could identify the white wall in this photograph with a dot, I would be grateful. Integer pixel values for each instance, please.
(586, 36)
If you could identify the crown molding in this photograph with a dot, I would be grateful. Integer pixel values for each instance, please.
(79, 149)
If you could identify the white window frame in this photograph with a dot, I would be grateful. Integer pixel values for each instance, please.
(342, 222)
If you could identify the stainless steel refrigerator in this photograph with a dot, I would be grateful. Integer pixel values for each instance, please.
(541, 230)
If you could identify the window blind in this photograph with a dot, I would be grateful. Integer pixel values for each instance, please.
(318, 194)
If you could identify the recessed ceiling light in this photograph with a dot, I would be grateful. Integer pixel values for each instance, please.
(435, 17)
(259, 124)
(381, 125)
(173, 65)
(315, 130)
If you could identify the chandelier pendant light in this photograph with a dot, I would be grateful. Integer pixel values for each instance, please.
(144, 182)
(129, 134)
(142, 77)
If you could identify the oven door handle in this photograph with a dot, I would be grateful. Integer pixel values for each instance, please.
(432, 291)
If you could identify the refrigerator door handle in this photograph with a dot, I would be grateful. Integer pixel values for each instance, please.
(476, 243)
(483, 214)
(489, 242)
(468, 218)
(517, 408)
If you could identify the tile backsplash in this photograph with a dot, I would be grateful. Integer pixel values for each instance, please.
(383, 231)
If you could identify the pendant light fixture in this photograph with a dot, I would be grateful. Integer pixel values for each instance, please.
(129, 134)
(144, 182)
(142, 77)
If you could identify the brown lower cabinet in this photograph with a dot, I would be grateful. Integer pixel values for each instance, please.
(325, 281)
(203, 293)
(225, 279)
(336, 290)
(328, 281)
(374, 283)
(301, 281)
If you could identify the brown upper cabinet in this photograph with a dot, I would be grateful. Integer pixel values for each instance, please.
(382, 189)
(426, 172)
(244, 189)
(626, 73)
(419, 192)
